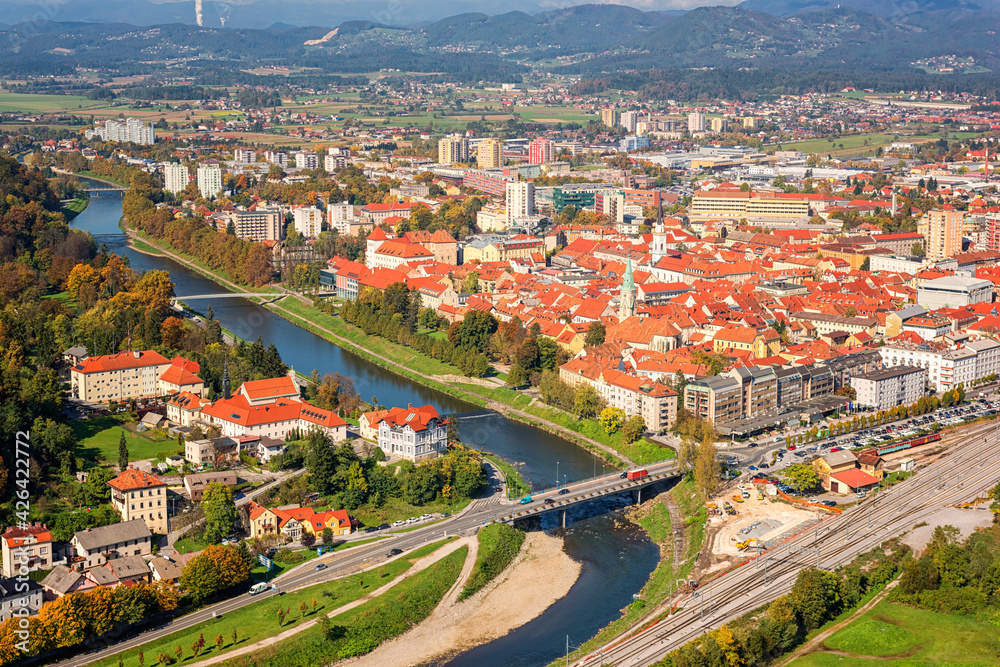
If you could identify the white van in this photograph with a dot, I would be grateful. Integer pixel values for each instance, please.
(258, 588)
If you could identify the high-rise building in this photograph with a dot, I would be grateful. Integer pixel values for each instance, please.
(453, 149)
(944, 234)
(306, 160)
(541, 151)
(490, 154)
(308, 221)
(610, 117)
(520, 201)
(629, 120)
(719, 124)
(279, 158)
(245, 155)
(175, 177)
(210, 181)
(340, 216)
(332, 163)
(749, 122)
(696, 122)
(261, 224)
(633, 143)
(132, 130)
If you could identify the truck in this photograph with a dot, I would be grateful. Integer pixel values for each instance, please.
(258, 588)
(637, 474)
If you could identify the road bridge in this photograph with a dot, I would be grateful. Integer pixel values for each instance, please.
(224, 295)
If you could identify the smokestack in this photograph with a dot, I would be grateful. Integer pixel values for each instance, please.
(199, 14)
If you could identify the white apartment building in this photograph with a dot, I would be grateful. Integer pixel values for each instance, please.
(946, 368)
(340, 216)
(245, 155)
(520, 201)
(414, 434)
(279, 158)
(175, 177)
(306, 160)
(656, 403)
(132, 130)
(308, 221)
(332, 163)
(629, 120)
(210, 181)
(696, 122)
(261, 224)
(28, 546)
(890, 387)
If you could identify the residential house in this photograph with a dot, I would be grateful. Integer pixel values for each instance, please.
(18, 595)
(368, 424)
(416, 434)
(139, 495)
(196, 485)
(165, 570)
(260, 521)
(96, 546)
(28, 547)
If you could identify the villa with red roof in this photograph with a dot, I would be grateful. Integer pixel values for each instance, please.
(414, 434)
(133, 374)
(30, 547)
(140, 496)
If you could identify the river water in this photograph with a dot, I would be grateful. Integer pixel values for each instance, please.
(617, 559)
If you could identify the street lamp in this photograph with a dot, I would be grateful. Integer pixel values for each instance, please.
(557, 474)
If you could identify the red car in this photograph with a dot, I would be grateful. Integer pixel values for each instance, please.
(791, 448)
(836, 449)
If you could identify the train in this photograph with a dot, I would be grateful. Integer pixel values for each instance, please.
(906, 444)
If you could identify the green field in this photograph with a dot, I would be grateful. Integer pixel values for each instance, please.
(854, 142)
(100, 437)
(894, 635)
(257, 621)
(31, 103)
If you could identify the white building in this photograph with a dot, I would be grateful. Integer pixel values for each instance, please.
(332, 163)
(132, 130)
(306, 160)
(890, 387)
(175, 177)
(260, 224)
(696, 122)
(414, 434)
(279, 158)
(340, 217)
(520, 201)
(954, 292)
(308, 221)
(210, 181)
(629, 120)
(946, 367)
(245, 155)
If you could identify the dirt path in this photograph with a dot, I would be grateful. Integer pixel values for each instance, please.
(676, 526)
(541, 575)
(416, 568)
(816, 642)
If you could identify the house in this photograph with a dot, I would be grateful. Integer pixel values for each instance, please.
(871, 463)
(129, 568)
(268, 448)
(96, 546)
(74, 355)
(196, 484)
(259, 520)
(315, 522)
(139, 495)
(833, 463)
(164, 570)
(368, 424)
(180, 377)
(850, 481)
(133, 374)
(185, 408)
(151, 420)
(63, 580)
(415, 434)
(18, 595)
(28, 547)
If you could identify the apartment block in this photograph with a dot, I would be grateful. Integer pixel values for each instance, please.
(306, 160)
(610, 117)
(308, 221)
(245, 155)
(340, 217)
(260, 224)
(637, 396)
(175, 177)
(944, 234)
(453, 149)
(520, 201)
(696, 122)
(890, 387)
(210, 181)
(718, 399)
(541, 151)
(141, 496)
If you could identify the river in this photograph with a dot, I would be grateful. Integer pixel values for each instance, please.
(616, 559)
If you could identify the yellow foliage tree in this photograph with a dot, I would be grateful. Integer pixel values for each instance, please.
(81, 274)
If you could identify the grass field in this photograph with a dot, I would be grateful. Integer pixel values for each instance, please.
(894, 635)
(76, 207)
(32, 103)
(100, 437)
(257, 621)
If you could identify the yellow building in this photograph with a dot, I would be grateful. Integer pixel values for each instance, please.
(502, 250)
(452, 150)
(944, 234)
(610, 117)
(490, 154)
(713, 205)
(138, 495)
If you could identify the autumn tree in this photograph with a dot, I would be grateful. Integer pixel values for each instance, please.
(595, 334)
(706, 468)
(633, 429)
(216, 569)
(611, 419)
(586, 402)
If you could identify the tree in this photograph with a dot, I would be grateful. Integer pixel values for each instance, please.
(816, 596)
(687, 453)
(327, 537)
(866, 265)
(917, 250)
(122, 453)
(611, 419)
(706, 468)
(595, 334)
(220, 511)
(633, 429)
(471, 283)
(307, 539)
(803, 476)
(321, 461)
(586, 402)
(995, 505)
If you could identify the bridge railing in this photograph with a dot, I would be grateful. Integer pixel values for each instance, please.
(585, 480)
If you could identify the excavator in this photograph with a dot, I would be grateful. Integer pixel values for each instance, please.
(750, 543)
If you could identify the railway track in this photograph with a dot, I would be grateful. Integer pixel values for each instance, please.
(964, 472)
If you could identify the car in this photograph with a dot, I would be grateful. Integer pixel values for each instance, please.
(445, 515)
(424, 517)
(836, 449)
(753, 444)
(563, 492)
(382, 527)
(623, 475)
(401, 522)
(320, 566)
(752, 468)
(525, 500)
(828, 503)
(550, 500)
(763, 466)
(413, 519)
(791, 448)
(371, 529)
(393, 552)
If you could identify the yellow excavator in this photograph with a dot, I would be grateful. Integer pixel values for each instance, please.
(752, 542)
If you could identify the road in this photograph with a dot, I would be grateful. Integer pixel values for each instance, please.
(970, 469)
(351, 561)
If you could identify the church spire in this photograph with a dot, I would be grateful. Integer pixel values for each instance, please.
(628, 292)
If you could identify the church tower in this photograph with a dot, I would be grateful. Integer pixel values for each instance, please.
(658, 249)
(628, 296)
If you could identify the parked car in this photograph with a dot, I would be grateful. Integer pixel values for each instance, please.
(424, 517)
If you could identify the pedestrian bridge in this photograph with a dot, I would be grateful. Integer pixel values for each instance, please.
(551, 500)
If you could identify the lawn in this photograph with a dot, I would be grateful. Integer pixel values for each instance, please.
(257, 621)
(499, 545)
(33, 103)
(75, 207)
(642, 451)
(99, 437)
(142, 246)
(913, 636)
(395, 509)
(62, 297)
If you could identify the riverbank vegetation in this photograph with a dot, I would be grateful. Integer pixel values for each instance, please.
(76, 207)
(362, 629)
(499, 545)
(516, 486)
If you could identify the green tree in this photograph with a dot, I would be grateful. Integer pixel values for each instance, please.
(995, 505)
(706, 468)
(595, 334)
(586, 402)
(471, 282)
(803, 476)
(687, 453)
(220, 511)
(321, 461)
(357, 487)
(122, 453)
(611, 419)
(917, 250)
(816, 596)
